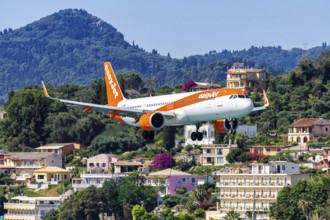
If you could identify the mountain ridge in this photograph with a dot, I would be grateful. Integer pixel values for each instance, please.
(71, 45)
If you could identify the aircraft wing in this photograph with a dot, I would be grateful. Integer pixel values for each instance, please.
(266, 103)
(106, 109)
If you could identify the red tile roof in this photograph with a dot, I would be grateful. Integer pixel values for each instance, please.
(304, 122)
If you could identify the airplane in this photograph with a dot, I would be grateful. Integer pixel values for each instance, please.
(222, 106)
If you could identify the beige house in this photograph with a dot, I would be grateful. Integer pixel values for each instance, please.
(53, 175)
(255, 190)
(104, 161)
(58, 148)
(126, 166)
(267, 150)
(21, 165)
(215, 154)
(307, 129)
(248, 79)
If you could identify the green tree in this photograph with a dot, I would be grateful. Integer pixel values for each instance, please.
(232, 215)
(2, 202)
(51, 215)
(83, 205)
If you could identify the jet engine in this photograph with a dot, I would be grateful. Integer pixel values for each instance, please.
(225, 126)
(152, 121)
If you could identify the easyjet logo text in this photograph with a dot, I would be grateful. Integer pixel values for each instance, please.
(111, 82)
(208, 95)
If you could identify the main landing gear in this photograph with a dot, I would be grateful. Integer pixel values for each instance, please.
(196, 135)
(148, 135)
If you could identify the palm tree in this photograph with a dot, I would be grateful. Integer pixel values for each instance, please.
(304, 204)
(200, 193)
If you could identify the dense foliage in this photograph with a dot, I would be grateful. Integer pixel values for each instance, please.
(70, 46)
(304, 200)
(116, 198)
(303, 93)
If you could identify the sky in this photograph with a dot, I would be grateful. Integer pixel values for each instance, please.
(191, 27)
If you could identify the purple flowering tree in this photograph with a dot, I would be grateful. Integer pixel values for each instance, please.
(188, 85)
(163, 161)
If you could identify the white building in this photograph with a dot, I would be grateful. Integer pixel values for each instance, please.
(93, 179)
(208, 133)
(255, 190)
(30, 208)
(215, 154)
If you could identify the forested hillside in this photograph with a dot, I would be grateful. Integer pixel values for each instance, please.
(303, 92)
(70, 46)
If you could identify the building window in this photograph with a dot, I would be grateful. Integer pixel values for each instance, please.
(183, 180)
(267, 149)
(65, 176)
(326, 128)
(193, 180)
(41, 177)
(104, 164)
(219, 151)
(91, 164)
(219, 160)
(208, 151)
(283, 167)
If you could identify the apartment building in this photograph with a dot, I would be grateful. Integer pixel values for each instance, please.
(307, 129)
(30, 208)
(256, 189)
(215, 154)
(21, 165)
(248, 79)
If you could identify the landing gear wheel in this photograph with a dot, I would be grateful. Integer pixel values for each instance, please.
(148, 135)
(193, 136)
(199, 136)
(145, 135)
(151, 135)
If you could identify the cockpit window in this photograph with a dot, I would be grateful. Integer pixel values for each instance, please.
(230, 97)
(234, 96)
(241, 96)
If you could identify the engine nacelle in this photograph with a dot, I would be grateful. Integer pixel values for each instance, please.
(152, 121)
(223, 126)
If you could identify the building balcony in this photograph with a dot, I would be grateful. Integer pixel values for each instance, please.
(101, 175)
(19, 206)
(78, 186)
(16, 217)
(247, 196)
(208, 154)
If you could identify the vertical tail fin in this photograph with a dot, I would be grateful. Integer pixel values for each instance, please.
(114, 92)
